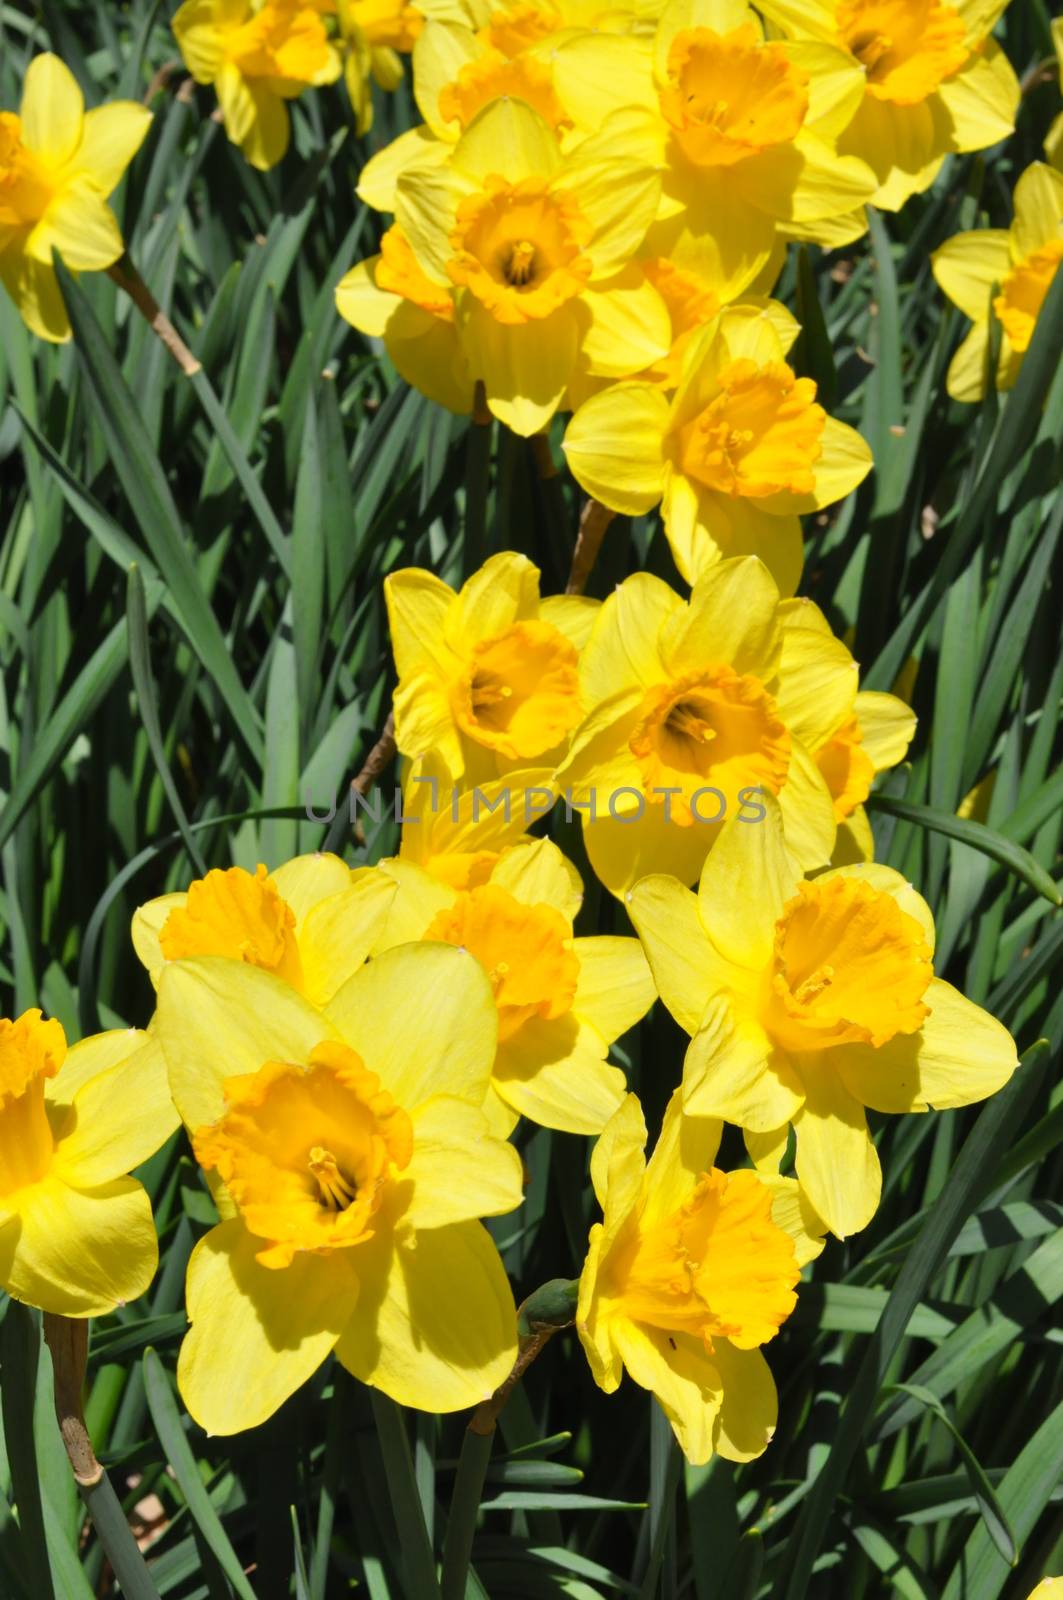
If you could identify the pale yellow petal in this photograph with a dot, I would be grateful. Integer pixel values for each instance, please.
(982, 100)
(614, 445)
(967, 267)
(749, 876)
(615, 988)
(686, 967)
(627, 325)
(540, 874)
(554, 1072)
(677, 1371)
(51, 111)
(836, 1165)
(524, 368)
(338, 933)
(749, 1410)
(118, 1119)
(887, 727)
(458, 1169)
(733, 1071)
(381, 1012)
(111, 135)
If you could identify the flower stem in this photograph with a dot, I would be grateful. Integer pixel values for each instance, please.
(594, 519)
(477, 472)
(126, 276)
(551, 1308)
(419, 1566)
(68, 1340)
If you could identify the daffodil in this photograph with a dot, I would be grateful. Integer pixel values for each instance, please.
(691, 1271)
(934, 81)
(808, 1001)
(1014, 269)
(458, 835)
(258, 54)
(58, 164)
(312, 922)
(561, 1001)
(377, 34)
(540, 246)
(1048, 1589)
(871, 736)
(76, 1233)
(741, 450)
(352, 1158)
(489, 676)
(744, 129)
(694, 711)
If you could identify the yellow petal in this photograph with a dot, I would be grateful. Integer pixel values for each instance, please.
(257, 1333)
(676, 1369)
(622, 652)
(959, 1056)
(749, 1410)
(81, 226)
(51, 111)
(732, 618)
(304, 881)
(440, 52)
(903, 145)
(836, 85)
(255, 117)
(504, 590)
(509, 138)
(120, 1117)
(817, 680)
(338, 933)
(458, 1170)
(91, 1058)
(378, 180)
(427, 352)
(218, 1019)
(617, 197)
(825, 185)
(597, 73)
(436, 1327)
(722, 16)
(1038, 208)
(733, 1071)
(148, 923)
(968, 265)
(625, 850)
(967, 369)
(111, 135)
(525, 368)
(540, 875)
(844, 462)
(748, 878)
(704, 528)
(618, 1164)
(887, 727)
(574, 615)
(361, 303)
(628, 325)
(816, 18)
(419, 898)
(199, 38)
(614, 446)
(615, 987)
(686, 1149)
(79, 1254)
(422, 1017)
(595, 1336)
(686, 968)
(836, 1165)
(807, 811)
(33, 287)
(554, 1072)
(792, 1211)
(418, 603)
(982, 100)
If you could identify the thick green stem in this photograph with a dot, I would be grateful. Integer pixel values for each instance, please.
(419, 1566)
(68, 1341)
(464, 1507)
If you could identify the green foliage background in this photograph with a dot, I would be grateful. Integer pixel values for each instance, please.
(153, 723)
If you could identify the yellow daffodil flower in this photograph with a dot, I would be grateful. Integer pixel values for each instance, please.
(58, 164)
(376, 34)
(872, 736)
(1015, 267)
(1054, 136)
(694, 710)
(489, 676)
(312, 922)
(744, 129)
(689, 1273)
(1048, 1589)
(561, 1001)
(540, 247)
(934, 81)
(809, 1000)
(76, 1233)
(258, 54)
(459, 835)
(353, 1159)
(738, 454)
